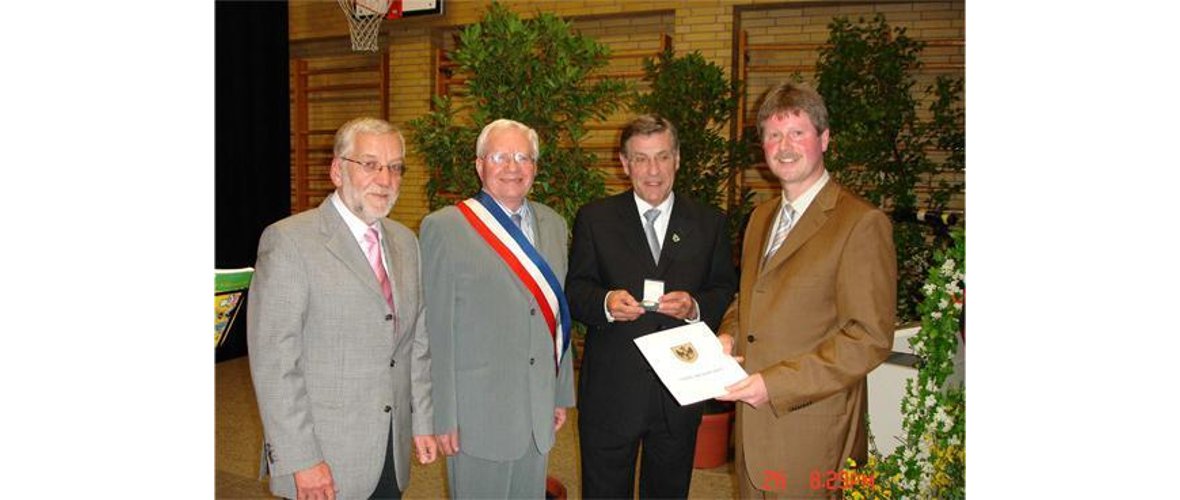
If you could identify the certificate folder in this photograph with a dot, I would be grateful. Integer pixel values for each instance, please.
(690, 362)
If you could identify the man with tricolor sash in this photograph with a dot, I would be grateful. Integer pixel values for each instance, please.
(499, 323)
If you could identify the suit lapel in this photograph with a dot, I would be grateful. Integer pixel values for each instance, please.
(540, 241)
(680, 229)
(632, 230)
(757, 232)
(812, 220)
(397, 267)
(343, 246)
(543, 243)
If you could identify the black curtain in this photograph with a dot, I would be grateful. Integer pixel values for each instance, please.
(252, 140)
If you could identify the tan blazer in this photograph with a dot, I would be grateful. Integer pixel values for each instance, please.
(814, 321)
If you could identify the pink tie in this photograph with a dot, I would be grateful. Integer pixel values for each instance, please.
(378, 266)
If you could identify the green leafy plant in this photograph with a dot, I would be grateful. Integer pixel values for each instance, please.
(931, 460)
(695, 95)
(881, 145)
(536, 71)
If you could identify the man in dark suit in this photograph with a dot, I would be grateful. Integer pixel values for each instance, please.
(619, 242)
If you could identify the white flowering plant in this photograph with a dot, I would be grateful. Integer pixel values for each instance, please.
(931, 460)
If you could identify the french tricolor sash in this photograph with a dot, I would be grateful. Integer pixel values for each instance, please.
(522, 258)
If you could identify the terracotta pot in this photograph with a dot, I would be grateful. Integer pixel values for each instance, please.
(554, 489)
(579, 346)
(712, 441)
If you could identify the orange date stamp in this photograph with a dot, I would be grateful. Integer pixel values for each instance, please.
(831, 480)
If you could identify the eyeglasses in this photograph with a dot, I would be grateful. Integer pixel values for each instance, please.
(501, 158)
(641, 160)
(372, 167)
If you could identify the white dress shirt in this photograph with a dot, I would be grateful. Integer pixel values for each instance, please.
(358, 228)
(661, 223)
(661, 228)
(799, 205)
(526, 218)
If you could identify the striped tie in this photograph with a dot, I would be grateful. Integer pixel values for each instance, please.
(786, 218)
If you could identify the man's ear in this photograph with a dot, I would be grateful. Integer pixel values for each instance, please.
(335, 174)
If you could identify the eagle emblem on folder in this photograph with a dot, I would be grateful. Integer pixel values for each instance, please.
(685, 352)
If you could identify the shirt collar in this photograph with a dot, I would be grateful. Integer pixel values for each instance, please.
(523, 210)
(356, 226)
(665, 207)
(800, 205)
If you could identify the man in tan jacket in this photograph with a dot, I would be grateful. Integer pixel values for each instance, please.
(814, 315)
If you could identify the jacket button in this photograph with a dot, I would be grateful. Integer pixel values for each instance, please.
(388, 317)
(388, 408)
(532, 360)
(750, 338)
(392, 362)
(533, 312)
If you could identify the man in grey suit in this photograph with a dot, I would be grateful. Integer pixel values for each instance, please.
(498, 323)
(336, 333)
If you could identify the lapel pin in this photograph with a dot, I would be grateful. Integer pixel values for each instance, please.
(675, 238)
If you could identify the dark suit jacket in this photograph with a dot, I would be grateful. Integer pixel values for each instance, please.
(610, 252)
(814, 321)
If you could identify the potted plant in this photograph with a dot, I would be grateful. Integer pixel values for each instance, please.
(882, 146)
(554, 488)
(931, 460)
(695, 95)
(712, 449)
(533, 71)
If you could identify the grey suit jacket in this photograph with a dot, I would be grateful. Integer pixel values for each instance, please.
(331, 374)
(493, 367)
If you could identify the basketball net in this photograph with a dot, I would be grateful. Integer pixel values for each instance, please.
(364, 21)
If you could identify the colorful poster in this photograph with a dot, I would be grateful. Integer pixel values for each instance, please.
(229, 289)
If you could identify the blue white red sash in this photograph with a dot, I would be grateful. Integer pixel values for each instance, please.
(510, 243)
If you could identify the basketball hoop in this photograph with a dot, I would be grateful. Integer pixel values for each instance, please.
(364, 21)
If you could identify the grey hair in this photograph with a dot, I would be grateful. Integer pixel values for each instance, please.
(502, 123)
(363, 125)
(646, 125)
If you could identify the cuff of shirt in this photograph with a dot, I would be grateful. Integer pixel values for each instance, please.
(609, 318)
(697, 319)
